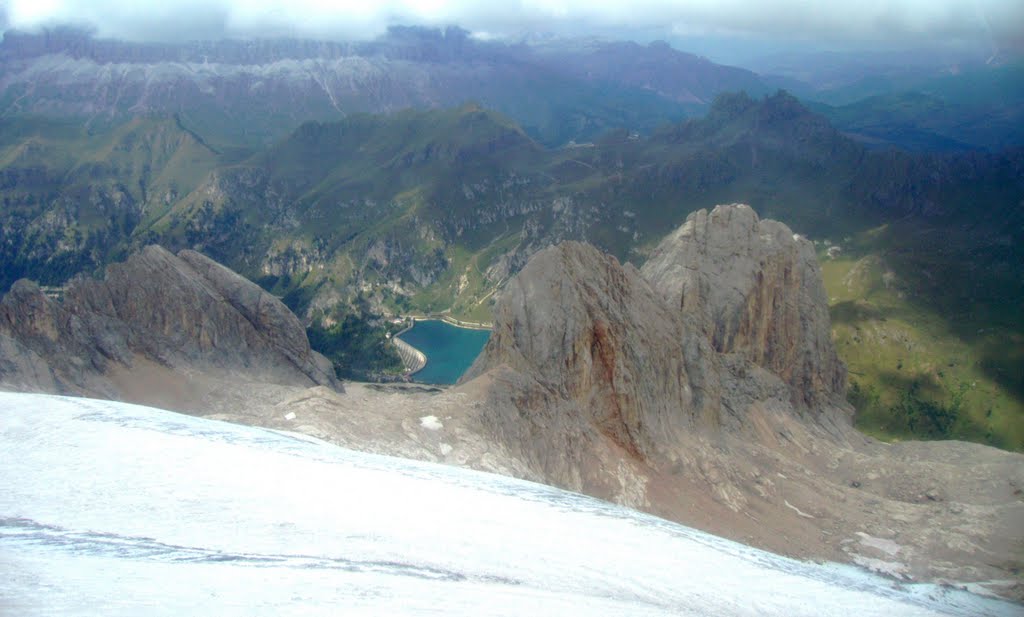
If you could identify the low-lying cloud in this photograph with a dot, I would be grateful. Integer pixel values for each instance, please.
(808, 20)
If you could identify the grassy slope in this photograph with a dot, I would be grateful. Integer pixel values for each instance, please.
(71, 196)
(916, 328)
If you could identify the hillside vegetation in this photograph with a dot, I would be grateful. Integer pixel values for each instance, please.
(981, 108)
(931, 331)
(430, 211)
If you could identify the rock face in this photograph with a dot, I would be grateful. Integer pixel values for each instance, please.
(564, 324)
(755, 289)
(592, 365)
(596, 365)
(730, 311)
(183, 313)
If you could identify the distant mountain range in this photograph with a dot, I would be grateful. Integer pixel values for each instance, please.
(980, 109)
(255, 91)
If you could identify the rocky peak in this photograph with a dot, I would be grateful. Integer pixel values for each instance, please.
(584, 329)
(186, 313)
(725, 331)
(755, 288)
(705, 387)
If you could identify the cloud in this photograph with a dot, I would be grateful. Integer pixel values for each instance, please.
(859, 20)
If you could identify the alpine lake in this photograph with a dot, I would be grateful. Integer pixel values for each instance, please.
(450, 349)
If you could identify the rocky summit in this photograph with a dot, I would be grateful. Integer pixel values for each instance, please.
(754, 289)
(156, 324)
(728, 313)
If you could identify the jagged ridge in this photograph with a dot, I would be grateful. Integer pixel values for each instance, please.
(186, 313)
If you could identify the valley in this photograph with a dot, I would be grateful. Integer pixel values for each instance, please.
(377, 217)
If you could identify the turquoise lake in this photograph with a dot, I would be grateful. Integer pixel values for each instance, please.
(450, 350)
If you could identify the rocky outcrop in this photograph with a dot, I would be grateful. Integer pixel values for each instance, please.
(582, 330)
(184, 313)
(601, 377)
(754, 288)
(728, 315)
(705, 388)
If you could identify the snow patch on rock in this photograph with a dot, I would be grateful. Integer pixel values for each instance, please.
(431, 423)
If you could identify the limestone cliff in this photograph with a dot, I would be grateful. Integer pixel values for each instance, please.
(728, 316)
(593, 366)
(185, 314)
(755, 288)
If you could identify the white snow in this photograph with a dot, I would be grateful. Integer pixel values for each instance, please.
(114, 509)
(431, 423)
(890, 568)
(888, 547)
(797, 510)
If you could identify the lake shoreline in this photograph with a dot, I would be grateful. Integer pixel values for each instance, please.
(447, 355)
(451, 321)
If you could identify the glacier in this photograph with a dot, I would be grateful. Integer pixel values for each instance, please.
(117, 509)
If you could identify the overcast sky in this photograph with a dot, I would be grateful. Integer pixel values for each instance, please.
(822, 21)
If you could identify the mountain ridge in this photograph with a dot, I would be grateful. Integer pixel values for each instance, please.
(711, 374)
(255, 91)
(431, 211)
(729, 311)
(158, 319)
